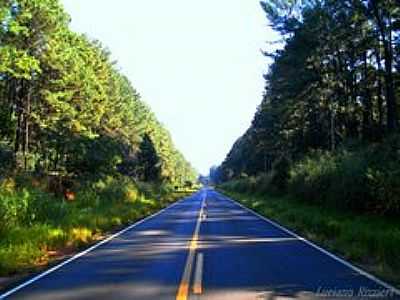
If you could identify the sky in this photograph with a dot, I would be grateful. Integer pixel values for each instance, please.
(197, 64)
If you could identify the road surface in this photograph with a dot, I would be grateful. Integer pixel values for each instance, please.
(205, 246)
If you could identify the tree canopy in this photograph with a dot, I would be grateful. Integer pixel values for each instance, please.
(336, 80)
(65, 105)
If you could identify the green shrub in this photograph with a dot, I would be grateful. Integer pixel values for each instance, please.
(6, 158)
(264, 183)
(13, 208)
(280, 174)
(384, 186)
(87, 197)
(362, 180)
(357, 180)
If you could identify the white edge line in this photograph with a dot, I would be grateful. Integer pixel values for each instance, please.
(326, 252)
(78, 255)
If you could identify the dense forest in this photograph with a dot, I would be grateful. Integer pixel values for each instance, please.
(80, 152)
(327, 128)
(66, 107)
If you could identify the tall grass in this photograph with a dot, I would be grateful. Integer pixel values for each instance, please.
(35, 224)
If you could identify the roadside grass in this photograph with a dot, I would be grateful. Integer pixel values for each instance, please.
(371, 242)
(36, 226)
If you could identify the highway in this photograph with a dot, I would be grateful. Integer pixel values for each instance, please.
(205, 246)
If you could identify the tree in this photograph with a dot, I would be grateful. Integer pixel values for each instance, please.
(66, 107)
(332, 82)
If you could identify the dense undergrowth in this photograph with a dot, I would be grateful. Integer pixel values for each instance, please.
(359, 178)
(36, 224)
(363, 180)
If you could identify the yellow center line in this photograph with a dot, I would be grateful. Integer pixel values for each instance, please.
(183, 290)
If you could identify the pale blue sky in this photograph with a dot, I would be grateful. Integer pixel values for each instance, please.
(196, 63)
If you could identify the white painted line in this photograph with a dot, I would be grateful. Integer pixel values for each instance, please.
(250, 240)
(304, 240)
(76, 256)
(198, 275)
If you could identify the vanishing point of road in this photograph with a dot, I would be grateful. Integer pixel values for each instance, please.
(205, 246)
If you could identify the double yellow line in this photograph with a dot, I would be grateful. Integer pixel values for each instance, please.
(183, 290)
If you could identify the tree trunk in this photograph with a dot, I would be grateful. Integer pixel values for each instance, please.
(332, 133)
(380, 92)
(27, 112)
(389, 85)
(19, 113)
(385, 31)
(367, 104)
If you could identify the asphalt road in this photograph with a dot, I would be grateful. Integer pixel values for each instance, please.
(204, 247)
